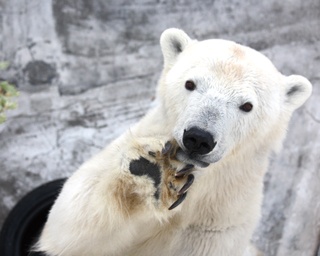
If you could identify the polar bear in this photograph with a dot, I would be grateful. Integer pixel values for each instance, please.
(187, 179)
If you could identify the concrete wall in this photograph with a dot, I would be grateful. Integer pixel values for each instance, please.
(87, 70)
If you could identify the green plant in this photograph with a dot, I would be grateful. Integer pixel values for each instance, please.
(7, 92)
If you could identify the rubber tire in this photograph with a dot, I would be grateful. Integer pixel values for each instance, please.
(24, 223)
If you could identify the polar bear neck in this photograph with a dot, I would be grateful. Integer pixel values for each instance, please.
(227, 193)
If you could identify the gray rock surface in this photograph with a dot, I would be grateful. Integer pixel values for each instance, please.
(87, 70)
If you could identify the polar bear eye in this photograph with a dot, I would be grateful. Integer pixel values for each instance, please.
(190, 85)
(246, 107)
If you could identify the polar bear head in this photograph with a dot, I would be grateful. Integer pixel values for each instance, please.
(221, 97)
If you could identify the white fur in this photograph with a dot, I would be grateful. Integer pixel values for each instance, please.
(223, 205)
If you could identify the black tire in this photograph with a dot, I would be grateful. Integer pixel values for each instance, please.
(24, 223)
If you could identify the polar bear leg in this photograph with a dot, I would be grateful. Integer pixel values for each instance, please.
(102, 212)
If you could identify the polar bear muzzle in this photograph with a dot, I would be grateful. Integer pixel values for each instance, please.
(197, 141)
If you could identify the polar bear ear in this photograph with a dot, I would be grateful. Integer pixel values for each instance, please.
(298, 90)
(173, 41)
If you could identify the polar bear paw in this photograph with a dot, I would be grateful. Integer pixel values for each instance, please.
(182, 192)
(175, 181)
(171, 178)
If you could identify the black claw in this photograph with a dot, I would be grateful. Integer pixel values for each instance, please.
(184, 171)
(152, 153)
(179, 201)
(167, 148)
(187, 185)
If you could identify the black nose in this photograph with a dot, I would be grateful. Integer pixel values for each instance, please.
(198, 141)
